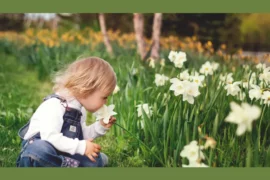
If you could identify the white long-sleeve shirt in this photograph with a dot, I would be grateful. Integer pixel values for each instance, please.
(48, 120)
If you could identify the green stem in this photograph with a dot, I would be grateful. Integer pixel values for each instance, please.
(249, 151)
(141, 143)
(259, 130)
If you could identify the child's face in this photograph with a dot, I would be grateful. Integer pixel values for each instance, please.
(94, 101)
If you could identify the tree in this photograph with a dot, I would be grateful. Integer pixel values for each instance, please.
(104, 33)
(155, 35)
(12, 22)
(138, 21)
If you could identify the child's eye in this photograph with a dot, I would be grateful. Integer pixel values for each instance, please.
(105, 98)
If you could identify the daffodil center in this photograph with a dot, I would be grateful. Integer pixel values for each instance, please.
(192, 153)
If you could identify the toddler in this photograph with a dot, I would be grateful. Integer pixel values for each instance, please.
(57, 134)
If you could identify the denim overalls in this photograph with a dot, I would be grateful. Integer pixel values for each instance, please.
(40, 153)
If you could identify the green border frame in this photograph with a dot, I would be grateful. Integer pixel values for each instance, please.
(135, 173)
(143, 6)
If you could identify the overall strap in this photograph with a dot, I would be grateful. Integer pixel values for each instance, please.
(62, 100)
(55, 96)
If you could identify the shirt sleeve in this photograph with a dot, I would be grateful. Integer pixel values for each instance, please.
(51, 117)
(94, 130)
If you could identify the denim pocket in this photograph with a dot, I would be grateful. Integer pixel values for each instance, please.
(71, 129)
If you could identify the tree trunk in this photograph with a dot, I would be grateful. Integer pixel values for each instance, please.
(41, 23)
(155, 35)
(138, 27)
(54, 23)
(104, 33)
(77, 20)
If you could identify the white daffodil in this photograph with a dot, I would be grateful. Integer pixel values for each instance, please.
(172, 56)
(105, 113)
(192, 152)
(177, 86)
(266, 97)
(233, 89)
(187, 88)
(152, 63)
(184, 75)
(160, 79)
(215, 66)
(147, 109)
(206, 69)
(243, 116)
(191, 91)
(194, 164)
(180, 59)
(253, 79)
(261, 66)
(255, 92)
(162, 62)
(116, 89)
(265, 75)
(198, 79)
(227, 79)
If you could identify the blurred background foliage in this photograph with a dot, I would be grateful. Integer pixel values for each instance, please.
(248, 31)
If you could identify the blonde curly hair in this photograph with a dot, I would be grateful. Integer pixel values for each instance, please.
(84, 76)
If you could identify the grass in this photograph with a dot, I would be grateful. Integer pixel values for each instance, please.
(20, 92)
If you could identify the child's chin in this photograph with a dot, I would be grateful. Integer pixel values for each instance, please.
(89, 110)
(92, 111)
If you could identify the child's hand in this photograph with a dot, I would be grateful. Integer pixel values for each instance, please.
(111, 122)
(92, 149)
